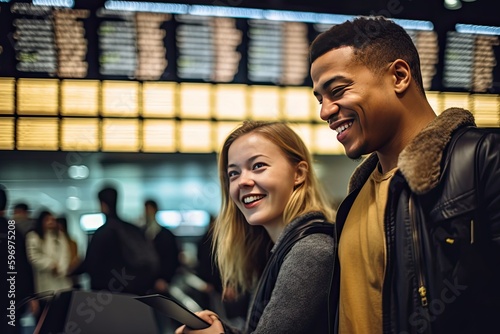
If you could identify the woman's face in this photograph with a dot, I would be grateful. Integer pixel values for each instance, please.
(49, 223)
(261, 180)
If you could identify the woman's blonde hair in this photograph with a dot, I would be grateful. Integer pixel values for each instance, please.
(241, 249)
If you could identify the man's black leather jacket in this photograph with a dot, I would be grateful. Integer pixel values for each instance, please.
(442, 228)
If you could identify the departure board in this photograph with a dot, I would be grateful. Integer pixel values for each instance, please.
(207, 48)
(470, 61)
(152, 41)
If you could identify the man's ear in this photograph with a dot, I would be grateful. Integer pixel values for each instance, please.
(301, 171)
(402, 75)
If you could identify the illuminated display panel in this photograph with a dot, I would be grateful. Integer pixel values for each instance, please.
(195, 100)
(298, 104)
(265, 102)
(71, 43)
(486, 110)
(305, 131)
(37, 133)
(159, 99)
(427, 46)
(117, 36)
(120, 98)
(80, 134)
(195, 137)
(121, 135)
(158, 135)
(80, 97)
(295, 46)
(6, 133)
(151, 51)
(37, 96)
(455, 100)
(230, 102)
(222, 130)
(325, 141)
(265, 54)
(469, 61)
(7, 96)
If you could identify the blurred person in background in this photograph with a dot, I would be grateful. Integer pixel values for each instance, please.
(274, 235)
(166, 245)
(13, 259)
(26, 305)
(74, 257)
(119, 258)
(49, 253)
(167, 248)
(21, 215)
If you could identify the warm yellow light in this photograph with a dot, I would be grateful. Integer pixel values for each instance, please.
(7, 96)
(79, 134)
(158, 135)
(37, 96)
(435, 101)
(159, 99)
(486, 109)
(456, 100)
(297, 103)
(120, 98)
(265, 102)
(195, 100)
(6, 133)
(222, 130)
(325, 141)
(195, 136)
(230, 102)
(80, 97)
(37, 133)
(120, 135)
(305, 131)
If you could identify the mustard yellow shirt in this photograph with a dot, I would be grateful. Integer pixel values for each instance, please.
(362, 257)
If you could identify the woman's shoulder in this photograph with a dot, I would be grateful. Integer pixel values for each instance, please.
(316, 245)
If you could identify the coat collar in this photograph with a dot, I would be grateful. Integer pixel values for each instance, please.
(420, 161)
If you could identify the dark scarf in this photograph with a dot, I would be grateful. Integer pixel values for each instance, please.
(313, 222)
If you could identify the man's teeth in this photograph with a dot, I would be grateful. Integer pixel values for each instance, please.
(343, 127)
(250, 199)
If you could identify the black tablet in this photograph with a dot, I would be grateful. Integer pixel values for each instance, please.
(173, 309)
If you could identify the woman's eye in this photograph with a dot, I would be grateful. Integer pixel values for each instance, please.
(231, 173)
(258, 165)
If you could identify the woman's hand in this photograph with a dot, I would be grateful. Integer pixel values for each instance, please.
(210, 317)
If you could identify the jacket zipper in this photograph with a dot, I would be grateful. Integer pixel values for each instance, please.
(422, 290)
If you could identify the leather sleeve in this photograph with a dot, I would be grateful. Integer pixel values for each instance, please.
(488, 180)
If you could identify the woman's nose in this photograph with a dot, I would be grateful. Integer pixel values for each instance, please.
(246, 180)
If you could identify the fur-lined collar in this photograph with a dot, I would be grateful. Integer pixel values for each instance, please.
(420, 161)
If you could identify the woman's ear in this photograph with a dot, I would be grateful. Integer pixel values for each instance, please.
(301, 171)
(402, 75)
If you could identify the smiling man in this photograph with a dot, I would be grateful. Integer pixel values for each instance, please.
(419, 247)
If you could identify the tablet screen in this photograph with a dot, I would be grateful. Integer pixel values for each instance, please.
(173, 309)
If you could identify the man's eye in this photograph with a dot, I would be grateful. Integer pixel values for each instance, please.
(338, 91)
